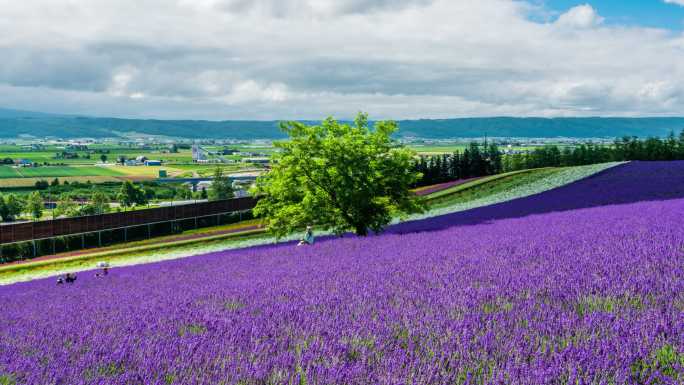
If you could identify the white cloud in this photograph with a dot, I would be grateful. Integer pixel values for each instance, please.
(581, 16)
(679, 2)
(272, 59)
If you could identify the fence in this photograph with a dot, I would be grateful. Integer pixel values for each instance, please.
(29, 231)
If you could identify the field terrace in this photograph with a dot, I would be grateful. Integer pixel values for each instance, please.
(578, 285)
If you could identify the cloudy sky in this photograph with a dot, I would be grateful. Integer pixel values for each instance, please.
(306, 59)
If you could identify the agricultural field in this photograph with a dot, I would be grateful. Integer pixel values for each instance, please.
(112, 152)
(49, 172)
(8, 172)
(580, 284)
(88, 165)
(13, 183)
(63, 171)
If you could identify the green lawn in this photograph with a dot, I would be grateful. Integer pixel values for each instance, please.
(48, 154)
(56, 171)
(9, 172)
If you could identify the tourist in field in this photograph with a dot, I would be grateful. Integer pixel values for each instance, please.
(105, 269)
(60, 280)
(308, 237)
(70, 278)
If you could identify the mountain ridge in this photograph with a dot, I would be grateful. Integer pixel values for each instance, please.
(16, 123)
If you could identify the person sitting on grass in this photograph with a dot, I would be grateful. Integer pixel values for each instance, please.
(70, 278)
(105, 269)
(308, 237)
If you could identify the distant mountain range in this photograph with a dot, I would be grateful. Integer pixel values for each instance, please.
(15, 123)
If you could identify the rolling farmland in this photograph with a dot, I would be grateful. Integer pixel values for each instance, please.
(578, 285)
(57, 171)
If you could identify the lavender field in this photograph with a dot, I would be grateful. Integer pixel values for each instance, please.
(583, 284)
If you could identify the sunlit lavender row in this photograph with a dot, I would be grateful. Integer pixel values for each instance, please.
(578, 285)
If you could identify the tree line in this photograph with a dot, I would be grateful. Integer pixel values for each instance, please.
(474, 161)
(623, 149)
(482, 160)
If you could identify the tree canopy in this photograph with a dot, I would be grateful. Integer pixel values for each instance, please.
(338, 177)
(66, 206)
(35, 205)
(130, 195)
(10, 207)
(221, 187)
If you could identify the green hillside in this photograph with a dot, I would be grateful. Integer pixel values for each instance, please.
(16, 123)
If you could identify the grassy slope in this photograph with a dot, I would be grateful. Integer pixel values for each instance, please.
(487, 187)
(468, 194)
(472, 184)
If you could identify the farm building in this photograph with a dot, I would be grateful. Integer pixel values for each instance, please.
(23, 163)
(256, 160)
(212, 161)
(153, 163)
(203, 185)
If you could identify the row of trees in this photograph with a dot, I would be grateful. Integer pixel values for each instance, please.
(624, 149)
(12, 207)
(478, 160)
(474, 161)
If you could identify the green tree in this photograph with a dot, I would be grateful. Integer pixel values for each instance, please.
(150, 194)
(13, 206)
(130, 195)
(221, 187)
(41, 184)
(55, 182)
(99, 202)
(66, 206)
(338, 177)
(183, 193)
(3, 209)
(35, 205)
(103, 158)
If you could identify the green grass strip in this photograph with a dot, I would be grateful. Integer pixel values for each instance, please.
(475, 183)
(121, 252)
(491, 187)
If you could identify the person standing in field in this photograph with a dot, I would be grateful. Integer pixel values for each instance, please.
(308, 237)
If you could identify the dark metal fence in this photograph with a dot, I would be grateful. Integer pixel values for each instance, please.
(28, 231)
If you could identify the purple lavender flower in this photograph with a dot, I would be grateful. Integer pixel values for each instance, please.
(579, 285)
